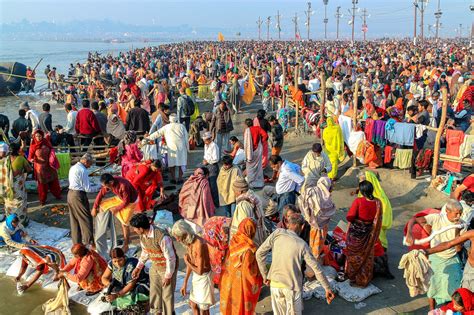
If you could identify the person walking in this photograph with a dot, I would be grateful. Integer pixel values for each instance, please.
(221, 126)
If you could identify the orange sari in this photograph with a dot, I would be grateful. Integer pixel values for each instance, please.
(241, 280)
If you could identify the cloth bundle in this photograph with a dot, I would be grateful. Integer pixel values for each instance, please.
(417, 272)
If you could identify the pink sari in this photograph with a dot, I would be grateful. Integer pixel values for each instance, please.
(264, 146)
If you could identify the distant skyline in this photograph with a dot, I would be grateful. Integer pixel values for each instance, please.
(387, 18)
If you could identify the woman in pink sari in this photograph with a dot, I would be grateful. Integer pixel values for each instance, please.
(261, 122)
(195, 199)
(129, 152)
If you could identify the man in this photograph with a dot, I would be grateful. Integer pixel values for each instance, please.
(289, 180)
(446, 264)
(184, 110)
(45, 119)
(248, 205)
(47, 70)
(101, 118)
(52, 80)
(146, 178)
(177, 144)
(221, 126)
(211, 158)
(157, 246)
(314, 164)
(254, 138)
(86, 124)
(21, 124)
(70, 119)
(80, 216)
(285, 276)
(197, 260)
(30, 80)
(31, 114)
(138, 119)
(277, 135)
(121, 206)
(227, 176)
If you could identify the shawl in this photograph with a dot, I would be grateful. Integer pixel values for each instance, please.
(225, 180)
(129, 138)
(35, 144)
(467, 299)
(333, 140)
(242, 242)
(195, 199)
(316, 203)
(115, 127)
(378, 136)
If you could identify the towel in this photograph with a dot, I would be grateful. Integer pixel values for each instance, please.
(60, 304)
(403, 158)
(419, 130)
(417, 272)
(402, 133)
(467, 146)
(454, 139)
(346, 126)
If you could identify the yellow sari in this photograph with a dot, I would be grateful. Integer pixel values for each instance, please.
(333, 145)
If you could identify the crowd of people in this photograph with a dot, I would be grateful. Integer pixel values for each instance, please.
(143, 105)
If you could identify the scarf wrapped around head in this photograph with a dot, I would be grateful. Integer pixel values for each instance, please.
(9, 221)
(242, 242)
(35, 144)
(129, 138)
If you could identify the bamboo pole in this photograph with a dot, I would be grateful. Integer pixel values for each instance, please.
(322, 109)
(354, 117)
(272, 76)
(283, 83)
(444, 109)
(297, 105)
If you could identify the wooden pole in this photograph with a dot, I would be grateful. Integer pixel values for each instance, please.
(272, 76)
(37, 64)
(283, 83)
(296, 101)
(354, 117)
(444, 109)
(322, 109)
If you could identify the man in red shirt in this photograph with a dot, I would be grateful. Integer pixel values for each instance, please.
(146, 178)
(86, 123)
(121, 206)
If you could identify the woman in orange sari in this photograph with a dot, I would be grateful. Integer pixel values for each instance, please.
(241, 280)
(88, 267)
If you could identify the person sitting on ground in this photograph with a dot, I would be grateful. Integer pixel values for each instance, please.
(87, 266)
(13, 234)
(42, 258)
(123, 290)
(237, 153)
(462, 303)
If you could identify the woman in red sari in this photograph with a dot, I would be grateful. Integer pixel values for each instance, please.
(146, 178)
(45, 166)
(241, 280)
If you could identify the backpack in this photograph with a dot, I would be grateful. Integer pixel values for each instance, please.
(188, 110)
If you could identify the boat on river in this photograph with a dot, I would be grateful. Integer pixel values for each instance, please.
(12, 74)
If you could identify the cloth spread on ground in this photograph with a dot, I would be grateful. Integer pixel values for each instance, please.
(416, 271)
(402, 133)
(403, 158)
(454, 139)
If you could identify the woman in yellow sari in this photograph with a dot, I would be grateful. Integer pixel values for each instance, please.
(334, 145)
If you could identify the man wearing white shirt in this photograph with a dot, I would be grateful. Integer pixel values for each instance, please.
(71, 119)
(211, 158)
(79, 210)
(289, 180)
(31, 114)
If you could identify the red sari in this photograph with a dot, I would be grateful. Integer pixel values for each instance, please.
(241, 279)
(146, 182)
(41, 154)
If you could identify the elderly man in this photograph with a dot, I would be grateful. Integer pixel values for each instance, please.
(285, 276)
(221, 125)
(157, 246)
(197, 260)
(248, 205)
(289, 180)
(177, 145)
(446, 264)
(314, 164)
(80, 216)
(211, 160)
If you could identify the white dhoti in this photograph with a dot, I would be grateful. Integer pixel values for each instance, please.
(202, 291)
(286, 301)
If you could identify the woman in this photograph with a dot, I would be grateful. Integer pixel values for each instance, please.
(18, 201)
(195, 199)
(216, 232)
(123, 290)
(45, 165)
(241, 280)
(87, 266)
(13, 234)
(462, 303)
(365, 221)
(318, 208)
(261, 122)
(129, 152)
(146, 178)
(334, 145)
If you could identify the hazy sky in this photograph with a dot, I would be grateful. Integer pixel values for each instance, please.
(387, 17)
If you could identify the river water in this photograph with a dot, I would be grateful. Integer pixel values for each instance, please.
(59, 55)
